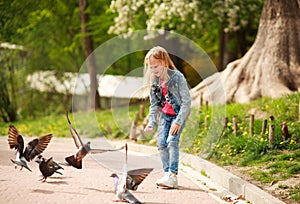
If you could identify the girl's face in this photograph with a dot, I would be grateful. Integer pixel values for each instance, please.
(156, 66)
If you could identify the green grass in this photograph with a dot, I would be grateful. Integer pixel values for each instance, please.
(203, 173)
(204, 134)
(275, 161)
(108, 123)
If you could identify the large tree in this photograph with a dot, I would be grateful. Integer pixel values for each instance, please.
(271, 67)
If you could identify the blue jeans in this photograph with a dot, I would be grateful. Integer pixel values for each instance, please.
(168, 145)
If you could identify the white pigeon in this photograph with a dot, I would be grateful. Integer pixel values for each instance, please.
(120, 188)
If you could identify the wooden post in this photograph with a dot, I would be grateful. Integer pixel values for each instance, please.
(271, 133)
(206, 105)
(225, 121)
(251, 124)
(137, 116)
(142, 111)
(108, 129)
(132, 135)
(200, 102)
(299, 110)
(285, 131)
(264, 126)
(145, 121)
(205, 122)
(235, 126)
(272, 119)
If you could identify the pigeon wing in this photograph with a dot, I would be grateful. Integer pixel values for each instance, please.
(36, 146)
(74, 134)
(136, 176)
(53, 164)
(95, 151)
(15, 140)
(73, 162)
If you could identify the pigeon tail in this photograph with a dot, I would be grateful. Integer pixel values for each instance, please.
(130, 198)
(73, 162)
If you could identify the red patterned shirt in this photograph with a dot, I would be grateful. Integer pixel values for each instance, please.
(167, 108)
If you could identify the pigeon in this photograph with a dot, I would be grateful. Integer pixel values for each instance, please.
(48, 167)
(129, 181)
(39, 159)
(52, 165)
(134, 177)
(82, 149)
(33, 148)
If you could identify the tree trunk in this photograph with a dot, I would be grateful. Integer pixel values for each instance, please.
(94, 97)
(271, 67)
(222, 43)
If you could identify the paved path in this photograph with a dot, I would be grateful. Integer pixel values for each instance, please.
(91, 184)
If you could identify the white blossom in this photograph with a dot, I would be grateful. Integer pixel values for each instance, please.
(186, 15)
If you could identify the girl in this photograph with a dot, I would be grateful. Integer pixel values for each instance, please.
(169, 94)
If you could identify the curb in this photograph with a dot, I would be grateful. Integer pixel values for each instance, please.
(216, 174)
(231, 182)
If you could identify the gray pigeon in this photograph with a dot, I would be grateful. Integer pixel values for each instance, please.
(129, 181)
(82, 149)
(33, 148)
(134, 177)
(48, 167)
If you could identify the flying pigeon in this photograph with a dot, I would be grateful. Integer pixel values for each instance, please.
(134, 177)
(82, 149)
(48, 167)
(129, 181)
(33, 148)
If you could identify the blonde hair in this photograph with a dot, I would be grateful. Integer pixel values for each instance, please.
(158, 53)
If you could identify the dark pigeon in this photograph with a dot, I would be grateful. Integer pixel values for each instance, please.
(82, 149)
(33, 148)
(48, 167)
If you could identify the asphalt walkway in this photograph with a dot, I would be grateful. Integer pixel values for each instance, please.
(92, 183)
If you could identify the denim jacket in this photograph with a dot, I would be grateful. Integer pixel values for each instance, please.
(179, 94)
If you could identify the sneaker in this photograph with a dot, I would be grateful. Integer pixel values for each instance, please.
(164, 179)
(169, 180)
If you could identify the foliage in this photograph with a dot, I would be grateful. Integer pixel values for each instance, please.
(233, 15)
(50, 33)
(201, 21)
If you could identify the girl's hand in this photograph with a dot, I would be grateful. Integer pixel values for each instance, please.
(175, 128)
(148, 129)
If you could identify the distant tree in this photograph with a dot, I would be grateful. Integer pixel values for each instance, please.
(271, 67)
(50, 31)
(12, 58)
(94, 97)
